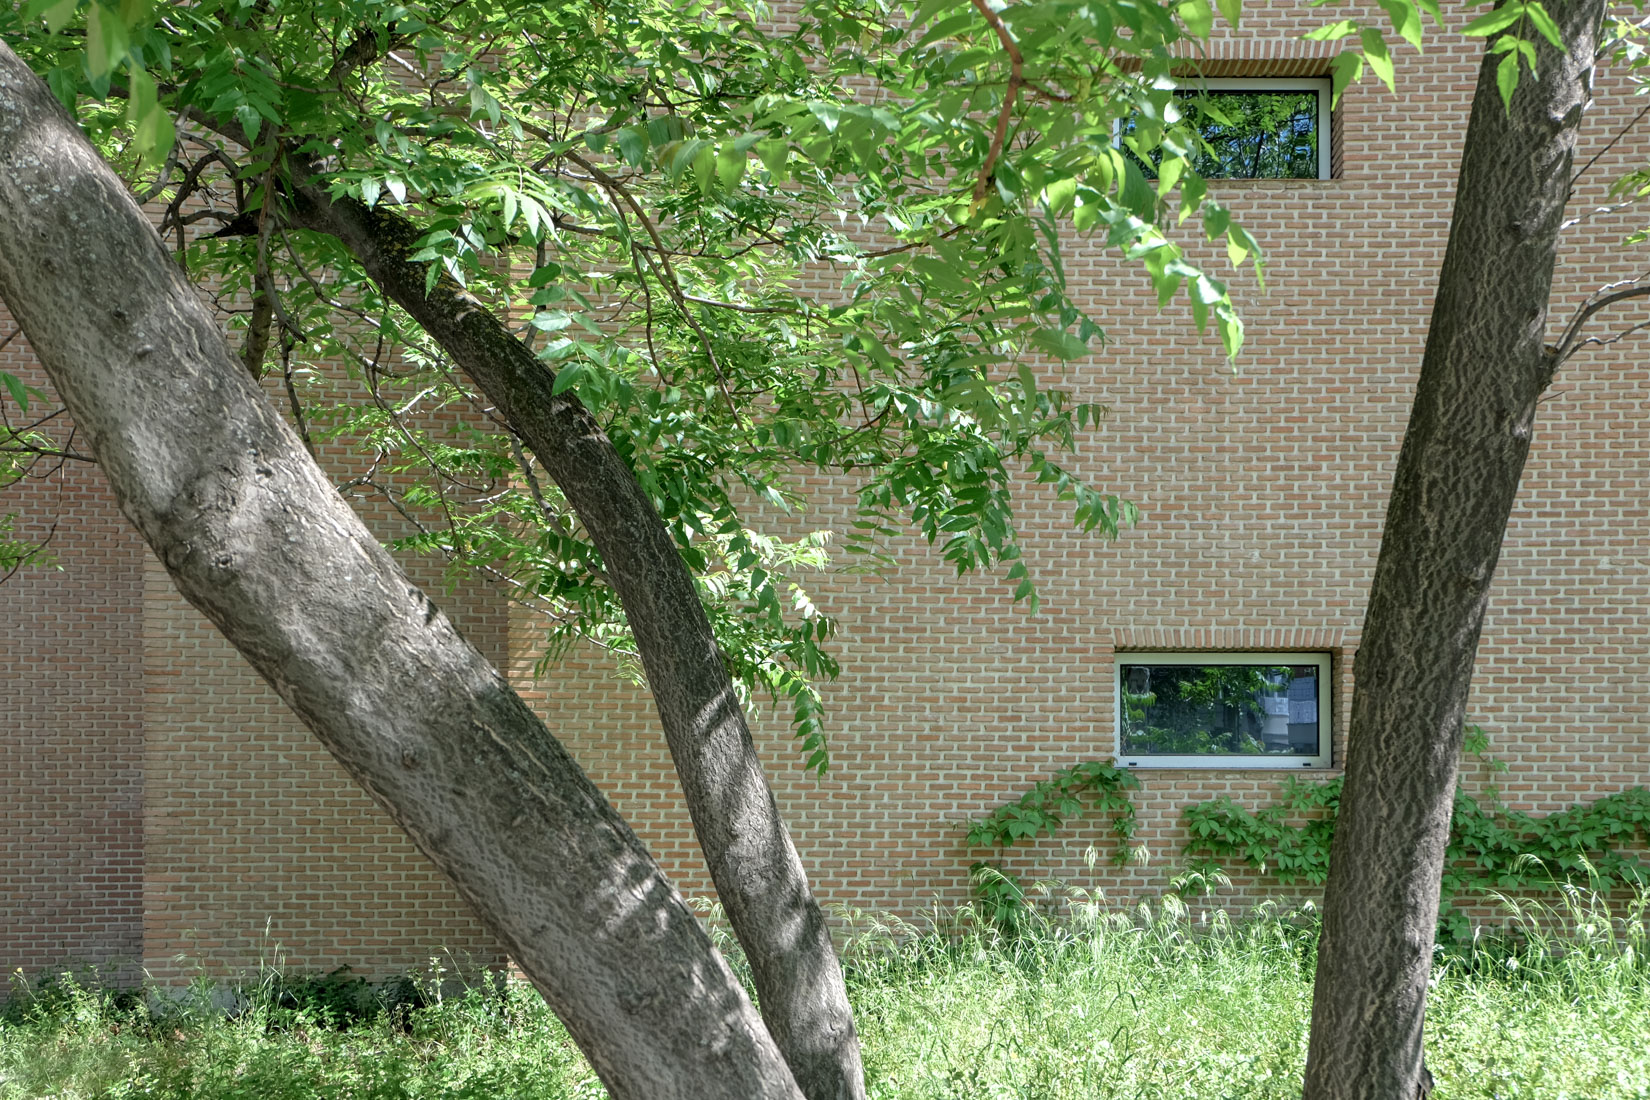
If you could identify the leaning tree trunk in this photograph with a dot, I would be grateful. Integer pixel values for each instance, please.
(1469, 432)
(255, 536)
(757, 873)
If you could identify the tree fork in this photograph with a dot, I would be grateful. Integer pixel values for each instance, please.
(758, 875)
(255, 536)
(1463, 453)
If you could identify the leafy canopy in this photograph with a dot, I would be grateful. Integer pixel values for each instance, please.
(778, 254)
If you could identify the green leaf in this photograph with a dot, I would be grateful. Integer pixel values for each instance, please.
(19, 392)
(1376, 54)
(1059, 195)
(1060, 344)
(1346, 69)
(154, 134)
(1544, 23)
(249, 118)
(632, 143)
(1406, 20)
(1506, 79)
(730, 169)
(106, 43)
(56, 13)
(1498, 20)
(1230, 10)
(1198, 16)
(1332, 31)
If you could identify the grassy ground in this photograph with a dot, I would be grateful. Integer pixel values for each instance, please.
(1155, 1004)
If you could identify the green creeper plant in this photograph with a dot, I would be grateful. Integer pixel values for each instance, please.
(1093, 787)
(1492, 849)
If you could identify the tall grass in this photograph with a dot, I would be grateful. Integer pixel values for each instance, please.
(1160, 1002)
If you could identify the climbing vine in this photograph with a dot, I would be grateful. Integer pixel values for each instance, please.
(1093, 787)
(1491, 848)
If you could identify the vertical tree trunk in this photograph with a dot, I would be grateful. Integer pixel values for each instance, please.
(1463, 452)
(254, 535)
(758, 875)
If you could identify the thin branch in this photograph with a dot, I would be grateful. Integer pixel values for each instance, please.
(1621, 133)
(672, 284)
(1600, 300)
(287, 344)
(163, 178)
(263, 295)
(1601, 341)
(1609, 208)
(551, 516)
(1016, 81)
(738, 306)
(895, 250)
(38, 549)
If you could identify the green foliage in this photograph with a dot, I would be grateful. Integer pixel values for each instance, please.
(23, 448)
(1492, 850)
(1091, 787)
(1093, 1005)
(760, 258)
(1511, 26)
(1288, 839)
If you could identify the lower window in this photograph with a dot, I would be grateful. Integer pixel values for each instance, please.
(1223, 710)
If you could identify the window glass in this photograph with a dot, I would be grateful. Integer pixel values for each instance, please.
(1256, 135)
(1270, 708)
(1254, 132)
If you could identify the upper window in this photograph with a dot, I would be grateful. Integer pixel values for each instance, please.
(1233, 710)
(1259, 129)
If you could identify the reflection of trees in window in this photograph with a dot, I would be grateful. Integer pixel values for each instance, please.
(1256, 135)
(1198, 709)
(1251, 135)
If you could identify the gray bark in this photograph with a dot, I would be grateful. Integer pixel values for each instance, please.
(1463, 453)
(254, 536)
(758, 875)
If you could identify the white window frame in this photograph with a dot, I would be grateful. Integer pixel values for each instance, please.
(1270, 761)
(1319, 84)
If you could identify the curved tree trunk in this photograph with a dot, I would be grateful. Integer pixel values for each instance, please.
(758, 875)
(255, 536)
(1463, 452)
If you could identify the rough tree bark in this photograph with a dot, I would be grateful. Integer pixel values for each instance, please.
(254, 536)
(758, 875)
(1483, 370)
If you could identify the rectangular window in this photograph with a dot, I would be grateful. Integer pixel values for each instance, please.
(1259, 129)
(1223, 710)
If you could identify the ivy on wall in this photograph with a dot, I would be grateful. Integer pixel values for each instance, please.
(1492, 848)
(1093, 787)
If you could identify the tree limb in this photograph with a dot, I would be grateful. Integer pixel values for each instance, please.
(757, 873)
(1597, 302)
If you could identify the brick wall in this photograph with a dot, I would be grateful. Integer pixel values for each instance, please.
(71, 732)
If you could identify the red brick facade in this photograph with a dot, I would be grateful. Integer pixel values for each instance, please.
(159, 804)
